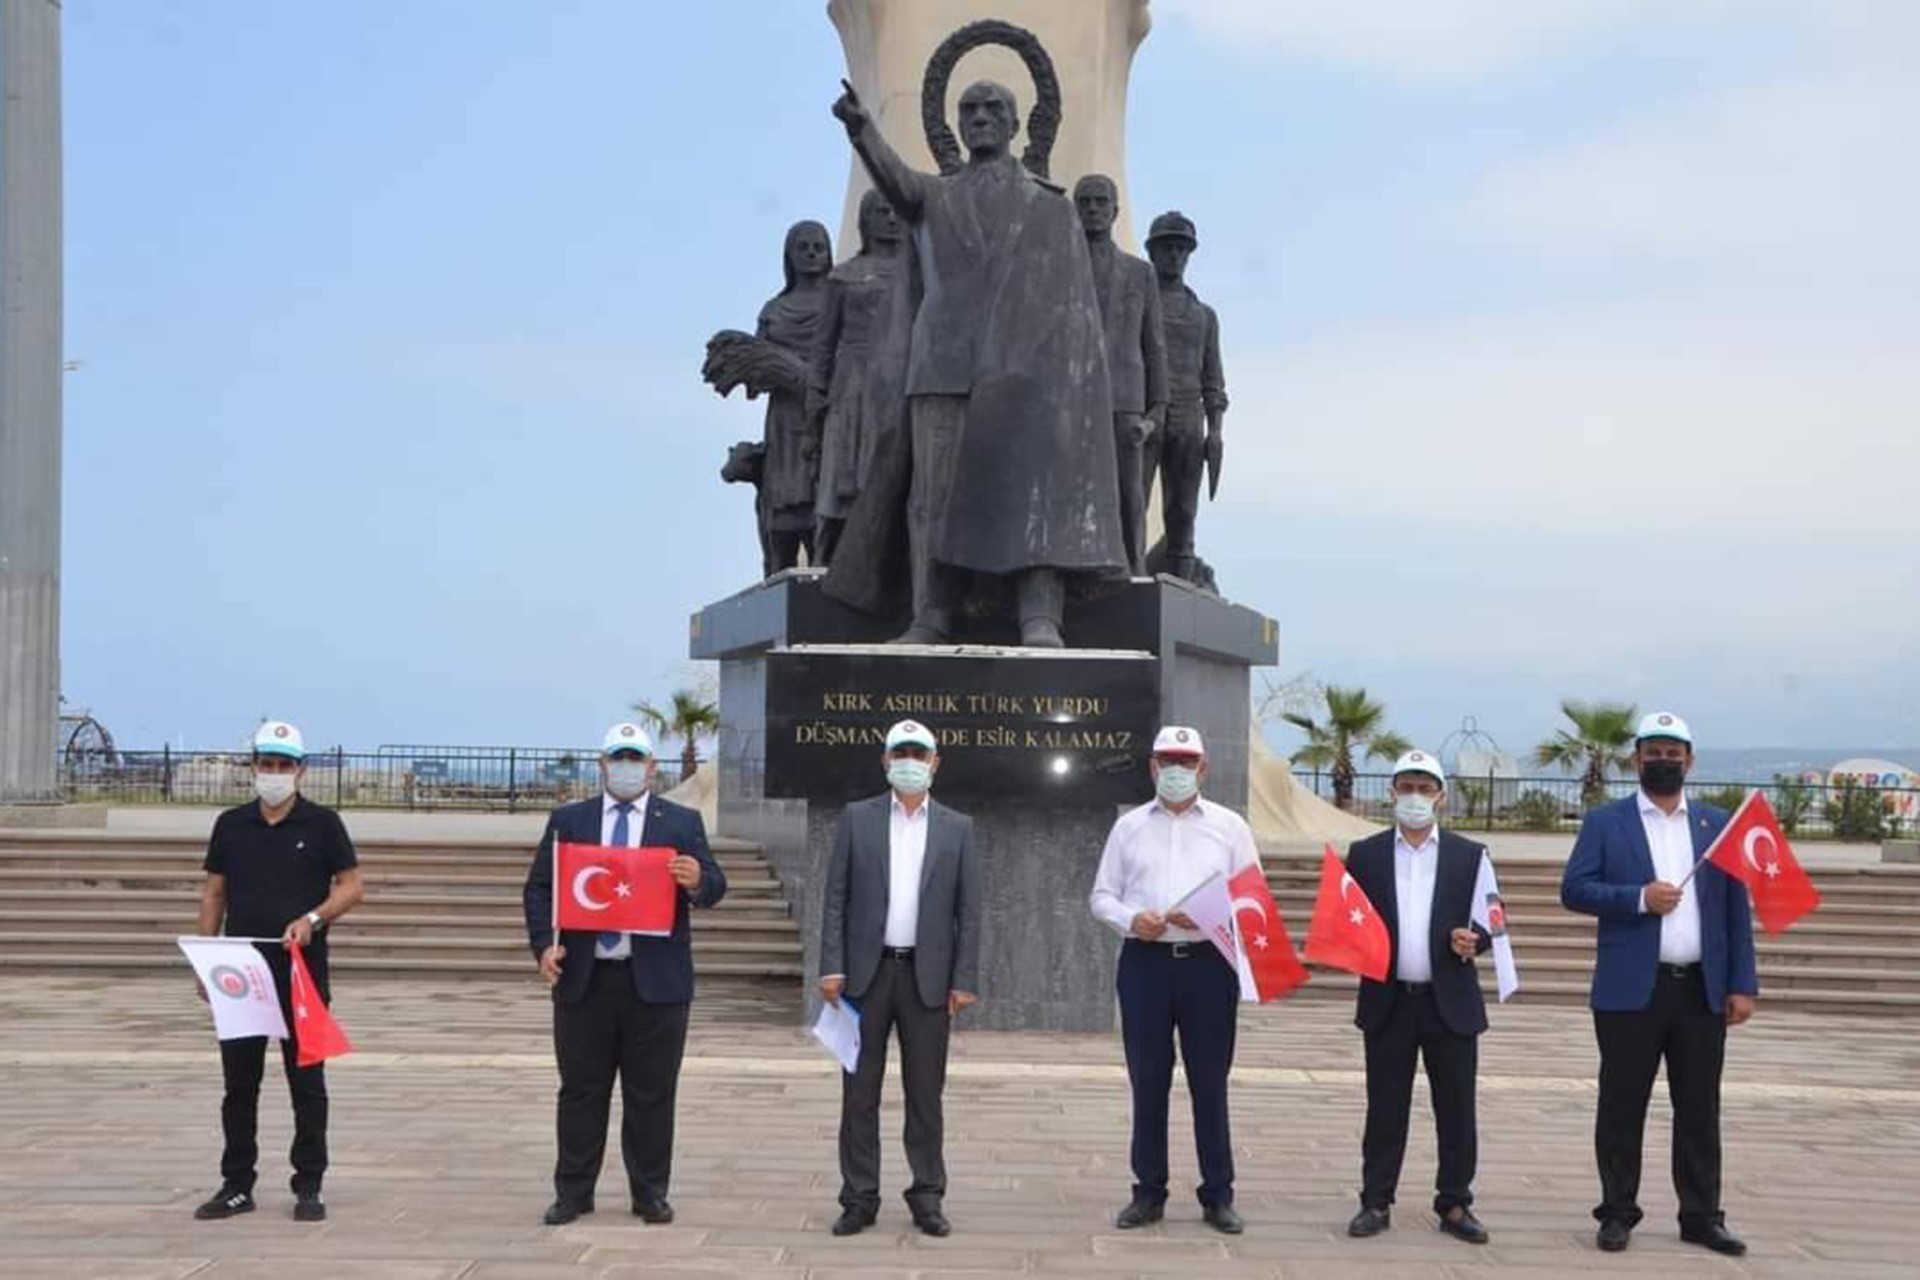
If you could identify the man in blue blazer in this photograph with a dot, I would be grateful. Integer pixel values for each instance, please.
(619, 999)
(1675, 969)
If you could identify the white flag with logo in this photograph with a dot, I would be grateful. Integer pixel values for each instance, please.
(239, 988)
(1490, 913)
(1210, 906)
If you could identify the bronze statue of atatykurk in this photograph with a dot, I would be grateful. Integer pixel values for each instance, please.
(1011, 412)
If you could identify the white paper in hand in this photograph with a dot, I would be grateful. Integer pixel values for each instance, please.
(1490, 913)
(838, 1028)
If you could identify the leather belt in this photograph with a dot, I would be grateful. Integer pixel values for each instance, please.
(1415, 988)
(903, 954)
(1680, 971)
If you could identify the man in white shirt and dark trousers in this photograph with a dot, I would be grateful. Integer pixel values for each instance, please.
(900, 939)
(1171, 980)
(1421, 880)
(1674, 968)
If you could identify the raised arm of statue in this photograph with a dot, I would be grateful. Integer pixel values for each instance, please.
(904, 187)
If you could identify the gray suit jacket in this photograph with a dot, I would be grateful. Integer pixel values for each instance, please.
(854, 919)
(1136, 341)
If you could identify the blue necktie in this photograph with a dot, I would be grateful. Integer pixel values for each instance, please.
(611, 940)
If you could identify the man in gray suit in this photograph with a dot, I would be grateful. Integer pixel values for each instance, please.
(1129, 294)
(900, 940)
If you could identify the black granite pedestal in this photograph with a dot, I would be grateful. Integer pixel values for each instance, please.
(1042, 747)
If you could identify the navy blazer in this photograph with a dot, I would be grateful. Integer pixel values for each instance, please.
(1611, 862)
(1456, 982)
(662, 967)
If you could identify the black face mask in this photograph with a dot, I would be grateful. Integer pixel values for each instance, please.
(1663, 777)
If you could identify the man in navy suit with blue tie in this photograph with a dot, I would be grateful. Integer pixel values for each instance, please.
(1675, 969)
(620, 1000)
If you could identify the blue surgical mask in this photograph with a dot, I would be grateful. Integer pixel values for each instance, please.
(908, 776)
(1413, 811)
(626, 779)
(1176, 784)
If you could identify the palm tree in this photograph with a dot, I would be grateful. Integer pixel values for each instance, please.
(1601, 742)
(1353, 721)
(690, 716)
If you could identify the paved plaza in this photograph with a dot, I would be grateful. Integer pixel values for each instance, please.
(442, 1143)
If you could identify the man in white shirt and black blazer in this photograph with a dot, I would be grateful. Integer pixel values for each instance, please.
(900, 938)
(620, 1000)
(1421, 880)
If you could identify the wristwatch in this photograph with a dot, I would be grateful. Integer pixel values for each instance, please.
(318, 921)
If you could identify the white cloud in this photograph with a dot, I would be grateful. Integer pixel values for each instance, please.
(1787, 177)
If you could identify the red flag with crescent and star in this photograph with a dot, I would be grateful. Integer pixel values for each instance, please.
(1346, 932)
(1753, 850)
(1269, 969)
(316, 1036)
(613, 889)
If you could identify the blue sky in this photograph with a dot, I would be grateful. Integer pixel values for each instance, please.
(1571, 348)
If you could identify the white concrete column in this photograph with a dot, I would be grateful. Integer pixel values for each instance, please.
(1092, 43)
(30, 370)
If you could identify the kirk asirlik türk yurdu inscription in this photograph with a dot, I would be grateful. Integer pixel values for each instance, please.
(1076, 726)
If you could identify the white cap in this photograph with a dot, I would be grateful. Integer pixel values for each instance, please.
(1420, 762)
(1178, 740)
(627, 737)
(911, 733)
(1663, 724)
(278, 738)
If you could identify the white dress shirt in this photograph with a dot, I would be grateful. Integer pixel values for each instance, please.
(1415, 868)
(1155, 856)
(636, 821)
(906, 855)
(1671, 841)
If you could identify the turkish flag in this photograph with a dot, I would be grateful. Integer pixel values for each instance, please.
(1268, 967)
(316, 1036)
(1753, 850)
(613, 889)
(1346, 932)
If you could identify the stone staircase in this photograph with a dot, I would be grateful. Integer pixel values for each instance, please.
(106, 902)
(1858, 953)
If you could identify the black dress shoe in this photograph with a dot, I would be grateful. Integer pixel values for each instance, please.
(561, 1212)
(1460, 1223)
(1140, 1213)
(932, 1222)
(657, 1212)
(852, 1222)
(309, 1207)
(1223, 1219)
(1369, 1221)
(1613, 1235)
(225, 1203)
(1716, 1237)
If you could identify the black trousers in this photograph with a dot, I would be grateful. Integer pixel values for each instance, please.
(1195, 996)
(1414, 1030)
(892, 1005)
(1678, 1026)
(612, 1031)
(243, 1063)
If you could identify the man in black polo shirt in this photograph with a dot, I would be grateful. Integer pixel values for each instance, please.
(279, 867)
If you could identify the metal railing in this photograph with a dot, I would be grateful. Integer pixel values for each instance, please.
(1497, 803)
(482, 779)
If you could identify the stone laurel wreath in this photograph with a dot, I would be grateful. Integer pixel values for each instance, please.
(1043, 123)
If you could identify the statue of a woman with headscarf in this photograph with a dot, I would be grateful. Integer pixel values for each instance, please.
(859, 367)
(776, 359)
